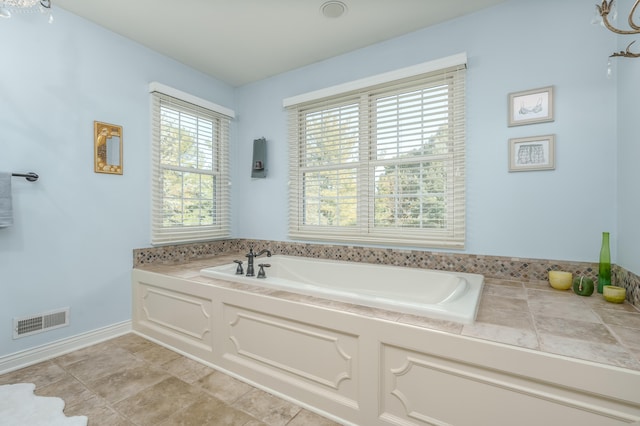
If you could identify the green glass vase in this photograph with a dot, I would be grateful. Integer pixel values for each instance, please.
(604, 269)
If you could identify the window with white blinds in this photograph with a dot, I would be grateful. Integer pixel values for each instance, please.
(382, 164)
(190, 172)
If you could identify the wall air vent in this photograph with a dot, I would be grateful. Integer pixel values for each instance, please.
(33, 324)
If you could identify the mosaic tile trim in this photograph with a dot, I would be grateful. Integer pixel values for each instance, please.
(630, 281)
(490, 266)
(182, 253)
(499, 267)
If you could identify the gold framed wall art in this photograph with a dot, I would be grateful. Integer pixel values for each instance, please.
(107, 148)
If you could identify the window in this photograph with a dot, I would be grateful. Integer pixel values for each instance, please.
(190, 182)
(383, 163)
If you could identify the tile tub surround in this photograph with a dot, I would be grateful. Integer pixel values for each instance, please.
(490, 266)
(527, 314)
(630, 281)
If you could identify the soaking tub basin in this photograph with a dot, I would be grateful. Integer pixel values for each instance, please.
(443, 295)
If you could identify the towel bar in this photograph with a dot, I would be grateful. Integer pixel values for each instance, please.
(31, 177)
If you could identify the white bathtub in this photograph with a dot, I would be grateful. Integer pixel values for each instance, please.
(443, 295)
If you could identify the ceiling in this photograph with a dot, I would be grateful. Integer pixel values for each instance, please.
(242, 41)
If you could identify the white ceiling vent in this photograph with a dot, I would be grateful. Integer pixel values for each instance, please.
(33, 324)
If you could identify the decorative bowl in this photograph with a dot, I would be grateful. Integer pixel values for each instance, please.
(560, 280)
(614, 294)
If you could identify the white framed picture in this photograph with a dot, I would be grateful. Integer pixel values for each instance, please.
(531, 106)
(532, 153)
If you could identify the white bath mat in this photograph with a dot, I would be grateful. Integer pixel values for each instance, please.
(20, 407)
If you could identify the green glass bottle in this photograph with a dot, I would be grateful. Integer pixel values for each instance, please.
(604, 270)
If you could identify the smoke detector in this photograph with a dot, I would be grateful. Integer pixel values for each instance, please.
(333, 9)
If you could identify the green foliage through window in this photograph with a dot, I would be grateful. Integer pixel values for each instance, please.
(382, 162)
(189, 172)
(187, 153)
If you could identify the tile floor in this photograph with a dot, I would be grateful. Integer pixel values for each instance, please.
(132, 381)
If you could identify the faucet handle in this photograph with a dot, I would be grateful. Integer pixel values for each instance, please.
(261, 273)
(239, 270)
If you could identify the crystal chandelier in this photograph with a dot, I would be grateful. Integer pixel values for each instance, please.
(607, 10)
(8, 7)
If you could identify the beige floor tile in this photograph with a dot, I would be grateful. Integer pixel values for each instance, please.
(156, 403)
(41, 374)
(205, 411)
(113, 387)
(254, 422)
(223, 386)
(126, 382)
(267, 408)
(84, 353)
(157, 355)
(98, 414)
(133, 343)
(101, 363)
(307, 418)
(69, 388)
(187, 369)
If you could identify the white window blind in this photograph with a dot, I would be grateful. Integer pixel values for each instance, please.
(190, 172)
(382, 164)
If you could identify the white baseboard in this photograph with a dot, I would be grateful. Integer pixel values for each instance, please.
(38, 354)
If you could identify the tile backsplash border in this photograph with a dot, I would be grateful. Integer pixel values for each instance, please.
(499, 267)
(630, 281)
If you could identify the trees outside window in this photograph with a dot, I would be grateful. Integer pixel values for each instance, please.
(190, 172)
(382, 165)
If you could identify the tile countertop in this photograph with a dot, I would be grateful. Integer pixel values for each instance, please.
(528, 314)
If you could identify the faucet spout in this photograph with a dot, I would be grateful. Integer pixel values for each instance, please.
(261, 252)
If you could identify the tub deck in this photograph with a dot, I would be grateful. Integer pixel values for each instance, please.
(534, 355)
(518, 313)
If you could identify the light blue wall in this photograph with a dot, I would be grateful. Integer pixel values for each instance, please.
(74, 229)
(71, 244)
(515, 46)
(628, 158)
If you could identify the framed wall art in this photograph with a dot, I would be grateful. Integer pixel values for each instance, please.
(107, 151)
(532, 153)
(531, 106)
